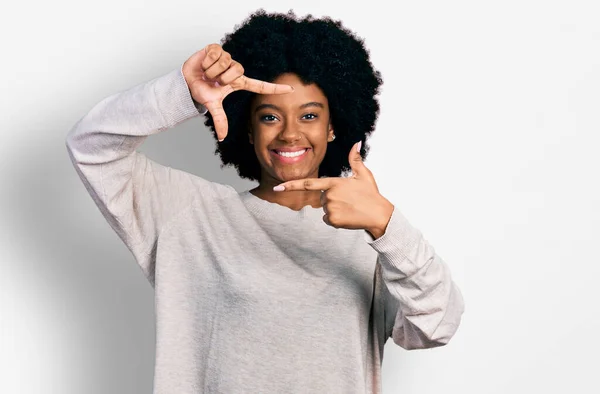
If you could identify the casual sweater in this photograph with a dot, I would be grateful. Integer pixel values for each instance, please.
(252, 296)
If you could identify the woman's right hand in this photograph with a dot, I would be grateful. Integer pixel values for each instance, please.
(211, 74)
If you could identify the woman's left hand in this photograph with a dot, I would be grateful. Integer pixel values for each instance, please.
(353, 202)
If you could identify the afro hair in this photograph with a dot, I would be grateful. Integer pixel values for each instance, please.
(319, 51)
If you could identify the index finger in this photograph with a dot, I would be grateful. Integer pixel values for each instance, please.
(307, 184)
(261, 87)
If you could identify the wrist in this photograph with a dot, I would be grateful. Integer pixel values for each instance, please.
(386, 208)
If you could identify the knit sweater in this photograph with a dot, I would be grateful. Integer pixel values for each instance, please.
(252, 296)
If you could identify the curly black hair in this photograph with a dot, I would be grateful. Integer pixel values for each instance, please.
(319, 51)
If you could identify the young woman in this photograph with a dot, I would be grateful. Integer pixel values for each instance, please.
(269, 290)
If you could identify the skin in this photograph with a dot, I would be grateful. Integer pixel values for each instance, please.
(211, 75)
(281, 117)
(286, 124)
(281, 121)
(351, 203)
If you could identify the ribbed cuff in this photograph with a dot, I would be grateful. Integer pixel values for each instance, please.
(397, 245)
(173, 98)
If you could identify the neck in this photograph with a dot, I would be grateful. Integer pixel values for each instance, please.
(295, 200)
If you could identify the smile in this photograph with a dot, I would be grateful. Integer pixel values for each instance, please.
(290, 157)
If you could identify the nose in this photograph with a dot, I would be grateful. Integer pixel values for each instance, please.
(290, 133)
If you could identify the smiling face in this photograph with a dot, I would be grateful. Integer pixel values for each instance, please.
(294, 121)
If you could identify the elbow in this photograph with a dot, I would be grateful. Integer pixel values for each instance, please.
(417, 332)
(411, 338)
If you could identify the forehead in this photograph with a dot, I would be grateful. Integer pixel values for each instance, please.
(302, 93)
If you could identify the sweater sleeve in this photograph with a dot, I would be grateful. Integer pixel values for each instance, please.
(422, 305)
(135, 194)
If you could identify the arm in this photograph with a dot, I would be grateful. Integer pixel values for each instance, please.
(136, 195)
(423, 306)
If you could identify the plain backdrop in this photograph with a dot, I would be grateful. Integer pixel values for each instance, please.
(487, 142)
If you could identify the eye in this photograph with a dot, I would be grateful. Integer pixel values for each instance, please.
(267, 118)
(315, 116)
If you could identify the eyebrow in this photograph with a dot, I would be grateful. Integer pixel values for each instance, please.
(311, 104)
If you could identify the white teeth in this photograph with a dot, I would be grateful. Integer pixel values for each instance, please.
(291, 154)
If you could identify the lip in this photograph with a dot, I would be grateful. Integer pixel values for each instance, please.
(289, 160)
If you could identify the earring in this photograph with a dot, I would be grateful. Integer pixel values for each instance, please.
(332, 137)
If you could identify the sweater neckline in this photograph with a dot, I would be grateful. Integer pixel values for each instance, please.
(262, 207)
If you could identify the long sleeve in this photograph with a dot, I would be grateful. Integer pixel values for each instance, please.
(135, 194)
(423, 306)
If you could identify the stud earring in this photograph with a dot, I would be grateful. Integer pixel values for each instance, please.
(332, 137)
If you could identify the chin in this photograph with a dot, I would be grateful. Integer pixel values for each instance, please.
(292, 177)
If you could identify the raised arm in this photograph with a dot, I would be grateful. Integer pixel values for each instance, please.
(135, 194)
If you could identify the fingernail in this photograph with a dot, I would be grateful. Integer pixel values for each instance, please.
(221, 140)
(279, 188)
(358, 147)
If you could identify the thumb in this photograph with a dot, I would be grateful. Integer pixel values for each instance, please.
(219, 118)
(355, 159)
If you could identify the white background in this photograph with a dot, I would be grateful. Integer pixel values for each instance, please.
(487, 142)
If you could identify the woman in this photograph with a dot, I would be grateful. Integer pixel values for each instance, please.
(268, 290)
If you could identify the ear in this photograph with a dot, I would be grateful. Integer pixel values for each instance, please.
(330, 133)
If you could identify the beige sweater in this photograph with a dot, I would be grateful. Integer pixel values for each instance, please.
(252, 296)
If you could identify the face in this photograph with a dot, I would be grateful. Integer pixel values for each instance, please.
(293, 121)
